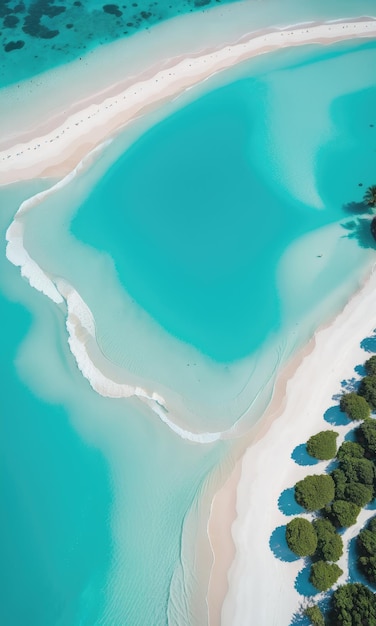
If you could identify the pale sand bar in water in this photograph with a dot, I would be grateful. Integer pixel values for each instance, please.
(261, 588)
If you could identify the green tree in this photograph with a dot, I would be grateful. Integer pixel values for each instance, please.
(353, 605)
(301, 537)
(370, 196)
(370, 366)
(355, 406)
(366, 435)
(323, 575)
(367, 390)
(329, 543)
(350, 450)
(342, 513)
(314, 615)
(358, 493)
(314, 492)
(323, 445)
(366, 544)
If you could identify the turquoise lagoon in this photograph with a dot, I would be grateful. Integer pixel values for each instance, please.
(209, 241)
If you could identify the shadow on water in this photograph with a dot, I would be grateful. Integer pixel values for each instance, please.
(334, 416)
(302, 584)
(355, 207)
(279, 547)
(301, 456)
(359, 229)
(287, 503)
(369, 343)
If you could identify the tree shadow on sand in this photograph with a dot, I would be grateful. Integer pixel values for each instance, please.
(301, 456)
(302, 584)
(334, 416)
(287, 503)
(369, 343)
(299, 619)
(279, 547)
(359, 229)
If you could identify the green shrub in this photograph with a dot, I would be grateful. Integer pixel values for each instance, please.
(323, 445)
(352, 605)
(314, 615)
(342, 513)
(370, 366)
(355, 406)
(329, 543)
(323, 575)
(358, 471)
(314, 492)
(367, 390)
(350, 450)
(358, 493)
(366, 435)
(301, 537)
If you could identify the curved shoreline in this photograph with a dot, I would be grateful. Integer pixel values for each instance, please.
(59, 151)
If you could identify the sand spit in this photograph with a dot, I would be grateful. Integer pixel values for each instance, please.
(57, 152)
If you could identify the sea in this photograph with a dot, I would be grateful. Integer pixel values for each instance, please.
(209, 239)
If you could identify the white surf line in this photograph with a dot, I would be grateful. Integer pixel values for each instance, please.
(95, 122)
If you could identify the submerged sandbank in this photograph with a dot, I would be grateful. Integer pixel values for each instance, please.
(260, 586)
(58, 151)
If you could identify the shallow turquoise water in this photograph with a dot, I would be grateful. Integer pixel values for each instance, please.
(197, 231)
(196, 220)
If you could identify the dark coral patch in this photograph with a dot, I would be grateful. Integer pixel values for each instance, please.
(10, 21)
(69, 26)
(19, 8)
(112, 9)
(14, 45)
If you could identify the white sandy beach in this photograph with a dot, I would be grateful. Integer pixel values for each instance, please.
(261, 587)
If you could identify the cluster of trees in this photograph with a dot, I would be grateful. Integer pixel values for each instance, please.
(366, 544)
(350, 605)
(358, 405)
(337, 499)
